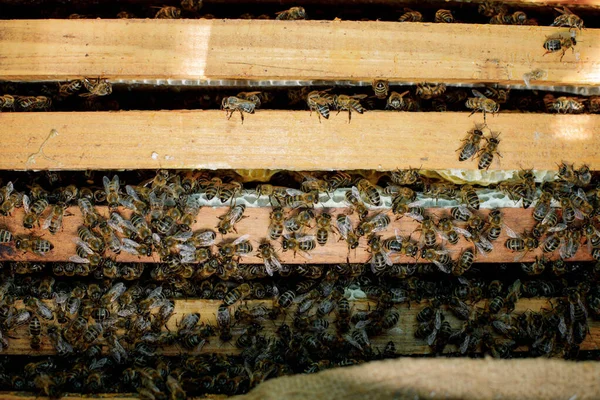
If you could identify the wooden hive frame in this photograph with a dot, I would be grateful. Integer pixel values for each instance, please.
(201, 51)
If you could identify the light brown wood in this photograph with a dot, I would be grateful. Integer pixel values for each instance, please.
(277, 50)
(256, 225)
(291, 140)
(403, 338)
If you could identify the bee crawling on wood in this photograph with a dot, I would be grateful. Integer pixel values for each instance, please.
(293, 13)
(320, 101)
(563, 105)
(556, 43)
(482, 103)
(471, 143)
(568, 19)
(398, 102)
(444, 16)
(349, 103)
(428, 91)
(486, 155)
(245, 104)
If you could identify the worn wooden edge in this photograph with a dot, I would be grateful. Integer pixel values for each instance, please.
(33, 50)
(405, 342)
(290, 140)
(255, 224)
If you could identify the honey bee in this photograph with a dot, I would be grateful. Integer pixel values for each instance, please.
(12, 201)
(54, 220)
(278, 193)
(411, 16)
(344, 102)
(444, 16)
(228, 191)
(516, 18)
(168, 12)
(471, 143)
(557, 43)
(191, 5)
(592, 236)
(276, 223)
(5, 236)
(7, 101)
(381, 88)
(270, 259)
(488, 8)
(33, 211)
(293, 13)
(486, 154)
(439, 257)
(593, 101)
(355, 199)
(521, 243)
(232, 104)
(96, 87)
(377, 223)
(368, 192)
(323, 221)
(69, 88)
(233, 216)
(297, 198)
(428, 91)
(111, 189)
(380, 260)
(239, 247)
(34, 102)
(320, 101)
(398, 102)
(464, 262)
(468, 196)
(563, 105)
(35, 332)
(428, 232)
(482, 103)
(36, 245)
(344, 226)
(302, 244)
(568, 19)
(449, 232)
(300, 220)
(338, 180)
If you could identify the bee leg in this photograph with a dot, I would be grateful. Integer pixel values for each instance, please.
(349, 116)
(242, 115)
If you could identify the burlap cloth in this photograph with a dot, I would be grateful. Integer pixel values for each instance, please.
(441, 379)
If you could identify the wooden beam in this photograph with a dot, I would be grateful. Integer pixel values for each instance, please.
(256, 225)
(403, 338)
(290, 140)
(79, 396)
(299, 50)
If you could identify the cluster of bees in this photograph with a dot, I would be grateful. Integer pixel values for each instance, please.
(315, 326)
(95, 87)
(111, 335)
(156, 218)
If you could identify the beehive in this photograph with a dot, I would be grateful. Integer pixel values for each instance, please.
(169, 77)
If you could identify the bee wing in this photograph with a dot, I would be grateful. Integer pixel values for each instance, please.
(48, 221)
(462, 231)
(186, 248)
(9, 188)
(558, 228)
(353, 342)
(511, 233)
(431, 337)
(115, 227)
(305, 238)
(268, 266)
(116, 182)
(182, 236)
(206, 238)
(464, 346)
(241, 239)
(106, 183)
(26, 203)
(293, 192)
(345, 226)
(130, 191)
(415, 216)
(578, 214)
(443, 267)
(84, 245)
(355, 192)
(376, 219)
(476, 93)
(79, 260)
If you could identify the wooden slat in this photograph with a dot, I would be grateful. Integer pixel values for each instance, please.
(291, 140)
(78, 396)
(403, 338)
(276, 50)
(256, 225)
